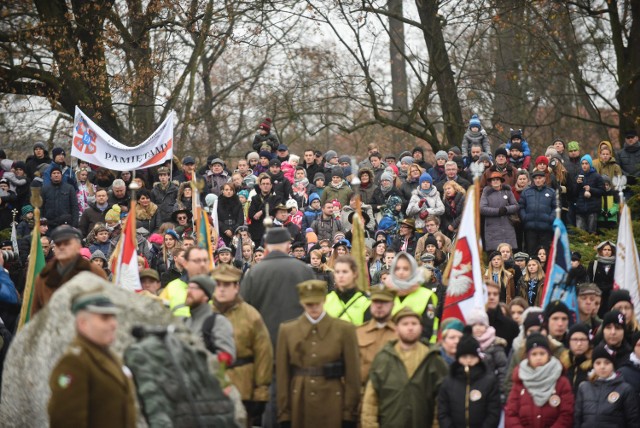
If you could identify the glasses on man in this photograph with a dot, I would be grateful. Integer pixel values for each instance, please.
(182, 217)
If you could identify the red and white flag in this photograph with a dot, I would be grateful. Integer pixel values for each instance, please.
(125, 264)
(627, 275)
(466, 289)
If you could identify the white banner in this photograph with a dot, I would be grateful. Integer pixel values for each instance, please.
(627, 274)
(91, 144)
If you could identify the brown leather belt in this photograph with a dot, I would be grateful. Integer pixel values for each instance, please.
(308, 371)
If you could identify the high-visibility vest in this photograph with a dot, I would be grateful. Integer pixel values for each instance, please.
(351, 311)
(176, 294)
(421, 300)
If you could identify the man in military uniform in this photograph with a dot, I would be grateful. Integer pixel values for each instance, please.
(404, 379)
(317, 366)
(373, 335)
(90, 387)
(252, 370)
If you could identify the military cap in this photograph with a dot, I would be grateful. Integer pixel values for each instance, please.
(206, 284)
(163, 170)
(65, 232)
(382, 293)
(312, 291)
(404, 312)
(224, 249)
(277, 235)
(521, 256)
(589, 288)
(94, 302)
(149, 273)
(226, 273)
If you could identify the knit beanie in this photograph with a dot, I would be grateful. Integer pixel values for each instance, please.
(618, 296)
(603, 351)
(588, 159)
(537, 340)
(253, 155)
(613, 317)
(484, 158)
(573, 146)
(533, 319)
(265, 154)
(337, 172)
(330, 155)
(477, 316)
(386, 176)
(467, 346)
(475, 121)
(515, 133)
(451, 324)
(244, 193)
(26, 210)
(407, 159)
(494, 254)
(456, 150)
(318, 176)
(442, 155)
(542, 159)
(580, 328)
(550, 152)
(556, 306)
(516, 146)
(57, 151)
(113, 214)
(431, 240)
(426, 177)
(500, 151)
(344, 159)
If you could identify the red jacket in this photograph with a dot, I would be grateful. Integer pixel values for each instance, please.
(522, 412)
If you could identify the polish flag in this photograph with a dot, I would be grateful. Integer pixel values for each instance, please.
(125, 267)
(466, 289)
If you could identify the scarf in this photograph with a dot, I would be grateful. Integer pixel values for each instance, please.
(385, 189)
(541, 381)
(224, 307)
(416, 277)
(487, 338)
(452, 205)
(337, 186)
(606, 260)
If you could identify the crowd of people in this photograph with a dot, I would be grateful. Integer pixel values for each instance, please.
(306, 346)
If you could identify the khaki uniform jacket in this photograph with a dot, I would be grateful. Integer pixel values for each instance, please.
(50, 280)
(371, 339)
(252, 341)
(314, 401)
(91, 388)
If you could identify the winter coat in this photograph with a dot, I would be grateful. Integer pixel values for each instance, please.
(6, 206)
(464, 183)
(497, 227)
(379, 200)
(603, 279)
(436, 173)
(578, 371)
(412, 243)
(67, 175)
(230, 215)
(265, 140)
(147, 217)
(606, 404)
(523, 286)
(629, 159)
(90, 217)
(60, 205)
(273, 293)
(326, 228)
(538, 208)
(475, 394)
(593, 204)
(33, 163)
(495, 358)
(611, 167)
(309, 216)
(259, 203)
(165, 199)
(281, 186)
(214, 182)
(408, 188)
(397, 399)
(432, 204)
(470, 138)
(341, 195)
(452, 214)
(630, 371)
(521, 411)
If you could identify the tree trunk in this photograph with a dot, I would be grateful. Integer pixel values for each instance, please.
(440, 69)
(397, 60)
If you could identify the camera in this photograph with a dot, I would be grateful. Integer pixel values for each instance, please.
(8, 255)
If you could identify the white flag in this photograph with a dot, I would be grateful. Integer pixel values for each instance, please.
(627, 276)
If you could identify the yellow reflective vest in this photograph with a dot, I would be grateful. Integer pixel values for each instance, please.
(176, 294)
(420, 301)
(352, 311)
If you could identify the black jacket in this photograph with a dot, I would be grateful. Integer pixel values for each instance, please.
(578, 371)
(60, 205)
(281, 186)
(476, 393)
(258, 203)
(606, 404)
(230, 216)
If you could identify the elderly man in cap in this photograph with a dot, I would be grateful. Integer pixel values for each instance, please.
(90, 387)
(282, 219)
(215, 330)
(252, 370)
(66, 264)
(188, 169)
(404, 379)
(216, 177)
(317, 366)
(379, 330)
(164, 194)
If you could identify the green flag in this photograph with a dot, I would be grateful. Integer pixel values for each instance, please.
(36, 264)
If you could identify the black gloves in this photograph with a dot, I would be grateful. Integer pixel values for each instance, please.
(502, 211)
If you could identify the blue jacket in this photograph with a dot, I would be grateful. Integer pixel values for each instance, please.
(526, 151)
(67, 175)
(596, 185)
(538, 208)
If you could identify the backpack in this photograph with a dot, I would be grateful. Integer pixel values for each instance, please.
(174, 385)
(207, 333)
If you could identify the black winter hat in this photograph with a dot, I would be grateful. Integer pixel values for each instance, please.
(57, 151)
(603, 351)
(533, 319)
(556, 306)
(537, 340)
(500, 151)
(467, 346)
(619, 296)
(337, 172)
(494, 254)
(613, 317)
(580, 328)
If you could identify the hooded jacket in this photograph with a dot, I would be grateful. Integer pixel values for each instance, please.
(611, 167)
(433, 204)
(605, 403)
(595, 182)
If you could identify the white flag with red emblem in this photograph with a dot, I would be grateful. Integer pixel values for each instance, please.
(466, 289)
(627, 274)
(125, 267)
